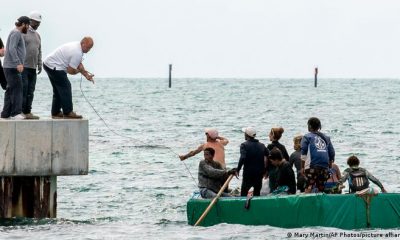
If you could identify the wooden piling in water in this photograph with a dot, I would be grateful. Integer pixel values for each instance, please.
(316, 77)
(170, 74)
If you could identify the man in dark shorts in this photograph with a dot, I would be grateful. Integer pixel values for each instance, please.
(317, 153)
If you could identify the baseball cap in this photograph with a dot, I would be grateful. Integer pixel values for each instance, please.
(24, 20)
(250, 131)
(212, 132)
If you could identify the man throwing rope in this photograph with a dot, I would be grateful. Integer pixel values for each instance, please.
(66, 59)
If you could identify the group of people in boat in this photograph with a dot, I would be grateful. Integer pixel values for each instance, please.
(313, 158)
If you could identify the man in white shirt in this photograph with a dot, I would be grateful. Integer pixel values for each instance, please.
(66, 59)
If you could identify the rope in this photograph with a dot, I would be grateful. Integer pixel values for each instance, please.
(131, 138)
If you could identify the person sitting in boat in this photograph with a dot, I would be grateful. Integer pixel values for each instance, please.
(213, 140)
(212, 175)
(274, 136)
(285, 174)
(253, 157)
(358, 177)
(332, 182)
(295, 159)
(316, 153)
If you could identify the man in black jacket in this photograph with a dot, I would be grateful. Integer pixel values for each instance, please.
(253, 156)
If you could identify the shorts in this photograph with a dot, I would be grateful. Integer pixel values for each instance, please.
(316, 178)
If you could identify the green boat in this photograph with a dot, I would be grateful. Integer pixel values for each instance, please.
(344, 211)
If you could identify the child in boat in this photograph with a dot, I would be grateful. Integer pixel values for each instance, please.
(285, 175)
(358, 177)
(332, 182)
(212, 175)
(295, 159)
(274, 136)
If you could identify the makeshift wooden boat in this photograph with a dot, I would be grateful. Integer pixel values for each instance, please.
(344, 211)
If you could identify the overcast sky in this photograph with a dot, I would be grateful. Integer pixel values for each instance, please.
(223, 38)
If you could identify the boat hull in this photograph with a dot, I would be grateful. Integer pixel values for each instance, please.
(344, 211)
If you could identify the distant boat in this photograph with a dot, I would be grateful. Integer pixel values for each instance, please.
(344, 211)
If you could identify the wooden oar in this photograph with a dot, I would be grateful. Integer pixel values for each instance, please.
(212, 203)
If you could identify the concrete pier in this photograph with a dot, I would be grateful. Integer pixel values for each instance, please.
(32, 154)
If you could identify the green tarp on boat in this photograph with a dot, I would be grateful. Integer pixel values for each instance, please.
(344, 211)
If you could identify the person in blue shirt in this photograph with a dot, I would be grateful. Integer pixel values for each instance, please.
(317, 153)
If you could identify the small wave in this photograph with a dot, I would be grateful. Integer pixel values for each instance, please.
(117, 153)
(164, 221)
(14, 222)
(151, 146)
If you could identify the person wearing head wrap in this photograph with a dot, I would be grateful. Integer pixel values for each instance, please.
(214, 141)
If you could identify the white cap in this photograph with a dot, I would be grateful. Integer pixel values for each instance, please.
(212, 132)
(250, 131)
(35, 16)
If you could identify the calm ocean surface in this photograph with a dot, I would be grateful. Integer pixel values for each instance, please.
(138, 188)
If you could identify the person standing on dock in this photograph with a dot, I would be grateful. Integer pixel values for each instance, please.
(13, 66)
(66, 59)
(317, 153)
(33, 62)
(253, 158)
(213, 140)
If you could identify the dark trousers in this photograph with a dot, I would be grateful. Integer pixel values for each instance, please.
(62, 95)
(28, 84)
(251, 181)
(13, 95)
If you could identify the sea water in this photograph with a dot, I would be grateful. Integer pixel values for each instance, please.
(138, 188)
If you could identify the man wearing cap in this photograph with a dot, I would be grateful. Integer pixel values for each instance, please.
(13, 67)
(66, 59)
(253, 157)
(33, 61)
(213, 141)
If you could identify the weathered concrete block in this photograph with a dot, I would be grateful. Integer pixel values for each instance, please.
(70, 147)
(33, 147)
(44, 147)
(7, 146)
